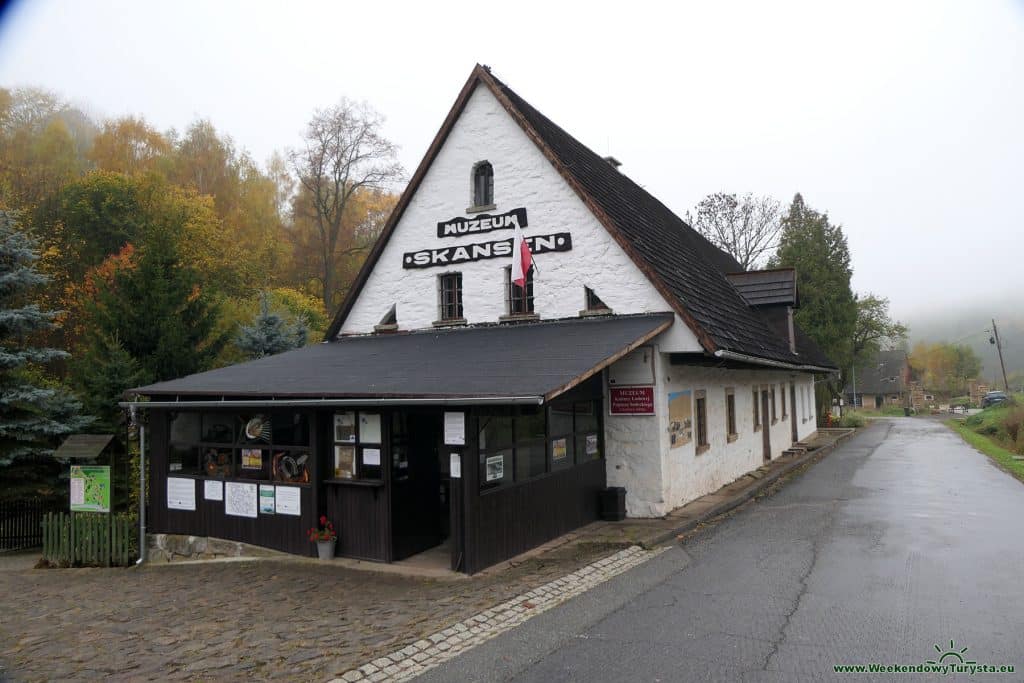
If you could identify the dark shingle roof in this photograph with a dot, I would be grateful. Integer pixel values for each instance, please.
(691, 267)
(766, 287)
(881, 375)
(682, 264)
(535, 359)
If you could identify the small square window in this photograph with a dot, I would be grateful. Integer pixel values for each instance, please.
(594, 302)
(450, 296)
(518, 300)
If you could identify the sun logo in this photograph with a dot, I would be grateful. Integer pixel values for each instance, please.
(951, 652)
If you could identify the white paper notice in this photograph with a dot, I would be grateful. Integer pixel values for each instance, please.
(371, 456)
(213, 489)
(240, 500)
(181, 494)
(455, 466)
(289, 500)
(369, 427)
(78, 491)
(455, 429)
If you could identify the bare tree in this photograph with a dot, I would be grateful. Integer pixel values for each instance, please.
(344, 154)
(746, 227)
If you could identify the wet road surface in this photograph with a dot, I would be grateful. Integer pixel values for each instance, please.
(902, 539)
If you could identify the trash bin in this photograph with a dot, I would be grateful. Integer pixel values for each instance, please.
(906, 412)
(612, 504)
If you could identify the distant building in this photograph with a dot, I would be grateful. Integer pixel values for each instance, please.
(882, 381)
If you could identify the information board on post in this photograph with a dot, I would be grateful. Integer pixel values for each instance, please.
(90, 488)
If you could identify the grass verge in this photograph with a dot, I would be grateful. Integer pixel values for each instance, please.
(1003, 457)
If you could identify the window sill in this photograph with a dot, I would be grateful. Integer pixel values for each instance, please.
(593, 312)
(481, 209)
(455, 322)
(732, 437)
(704, 448)
(376, 483)
(385, 329)
(519, 318)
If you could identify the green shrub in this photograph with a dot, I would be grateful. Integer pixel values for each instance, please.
(852, 420)
(1012, 423)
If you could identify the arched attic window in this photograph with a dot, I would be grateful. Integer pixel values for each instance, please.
(483, 184)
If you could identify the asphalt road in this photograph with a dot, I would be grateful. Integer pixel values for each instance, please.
(902, 539)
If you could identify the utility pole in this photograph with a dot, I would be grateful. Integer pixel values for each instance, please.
(999, 347)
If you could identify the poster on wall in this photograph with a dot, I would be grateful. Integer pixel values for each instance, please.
(288, 500)
(266, 499)
(181, 494)
(344, 462)
(213, 489)
(345, 427)
(369, 427)
(558, 449)
(240, 500)
(680, 418)
(455, 428)
(252, 459)
(454, 466)
(591, 444)
(495, 468)
(631, 400)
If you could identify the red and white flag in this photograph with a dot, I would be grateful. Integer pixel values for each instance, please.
(522, 257)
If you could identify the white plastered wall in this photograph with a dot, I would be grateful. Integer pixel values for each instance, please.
(523, 177)
(659, 478)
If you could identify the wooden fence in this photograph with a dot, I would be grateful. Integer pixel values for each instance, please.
(20, 523)
(89, 539)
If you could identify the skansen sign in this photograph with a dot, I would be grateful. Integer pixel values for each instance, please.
(483, 222)
(539, 244)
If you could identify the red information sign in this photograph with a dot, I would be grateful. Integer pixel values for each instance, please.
(631, 400)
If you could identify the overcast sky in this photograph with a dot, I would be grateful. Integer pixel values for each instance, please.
(905, 121)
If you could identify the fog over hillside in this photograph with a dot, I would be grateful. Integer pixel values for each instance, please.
(971, 325)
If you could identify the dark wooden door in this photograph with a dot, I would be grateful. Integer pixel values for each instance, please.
(792, 410)
(416, 488)
(766, 426)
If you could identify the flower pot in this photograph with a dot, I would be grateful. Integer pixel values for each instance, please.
(325, 549)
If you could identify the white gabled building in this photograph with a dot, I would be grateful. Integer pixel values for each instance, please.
(450, 405)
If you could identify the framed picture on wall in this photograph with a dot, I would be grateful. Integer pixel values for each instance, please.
(344, 461)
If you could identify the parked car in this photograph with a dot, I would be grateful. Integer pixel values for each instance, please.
(993, 398)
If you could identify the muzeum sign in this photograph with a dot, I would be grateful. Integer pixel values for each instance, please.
(457, 227)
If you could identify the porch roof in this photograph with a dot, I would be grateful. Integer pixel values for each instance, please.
(537, 360)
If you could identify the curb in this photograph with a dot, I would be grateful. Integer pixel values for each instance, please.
(746, 494)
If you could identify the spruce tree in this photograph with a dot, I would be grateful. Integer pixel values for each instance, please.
(34, 413)
(270, 333)
(817, 248)
(160, 313)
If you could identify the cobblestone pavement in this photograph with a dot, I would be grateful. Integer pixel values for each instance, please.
(423, 655)
(239, 620)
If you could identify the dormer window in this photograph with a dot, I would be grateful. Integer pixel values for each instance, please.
(483, 186)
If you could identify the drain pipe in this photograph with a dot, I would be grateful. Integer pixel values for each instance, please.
(142, 495)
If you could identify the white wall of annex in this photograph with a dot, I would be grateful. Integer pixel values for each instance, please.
(659, 478)
(523, 177)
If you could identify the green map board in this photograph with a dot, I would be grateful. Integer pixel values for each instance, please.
(90, 488)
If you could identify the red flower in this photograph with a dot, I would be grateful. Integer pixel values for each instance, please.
(323, 520)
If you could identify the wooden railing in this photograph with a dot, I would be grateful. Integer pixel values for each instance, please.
(89, 539)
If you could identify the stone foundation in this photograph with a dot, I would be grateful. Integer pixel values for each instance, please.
(179, 547)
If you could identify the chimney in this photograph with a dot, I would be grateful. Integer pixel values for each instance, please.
(792, 332)
(614, 162)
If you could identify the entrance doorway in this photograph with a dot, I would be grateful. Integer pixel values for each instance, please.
(419, 493)
(766, 425)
